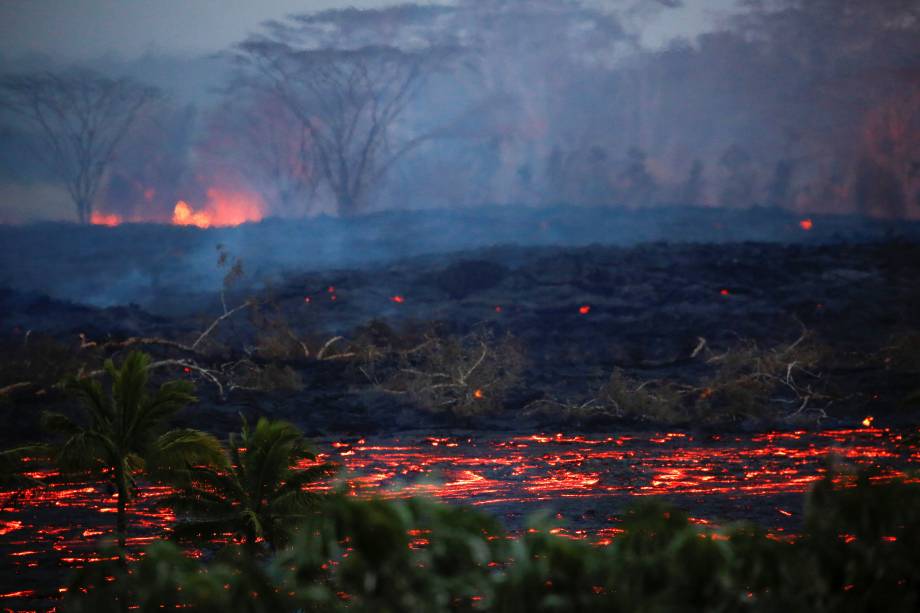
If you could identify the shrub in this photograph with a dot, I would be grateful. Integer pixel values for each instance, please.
(859, 551)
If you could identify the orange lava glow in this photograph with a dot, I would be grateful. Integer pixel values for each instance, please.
(105, 219)
(223, 208)
(723, 476)
(806, 224)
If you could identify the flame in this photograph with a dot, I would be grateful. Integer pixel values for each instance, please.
(103, 219)
(867, 422)
(223, 208)
(806, 224)
(183, 215)
(478, 394)
(398, 299)
(584, 310)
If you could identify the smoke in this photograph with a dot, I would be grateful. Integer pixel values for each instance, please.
(810, 106)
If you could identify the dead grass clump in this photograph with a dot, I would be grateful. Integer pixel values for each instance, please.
(656, 400)
(465, 375)
(274, 338)
(620, 397)
(745, 382)
(246, 375)
(749, 382)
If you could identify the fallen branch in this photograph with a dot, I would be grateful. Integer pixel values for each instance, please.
(9, 389)
(217, 321)
(321, 354)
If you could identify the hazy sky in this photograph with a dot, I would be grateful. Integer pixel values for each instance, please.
(75, 30)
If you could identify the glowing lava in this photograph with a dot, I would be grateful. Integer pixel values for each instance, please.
(806, 224)
(724, 476)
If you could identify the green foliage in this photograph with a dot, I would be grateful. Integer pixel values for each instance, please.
(124, 430)
(859, 551)
(252, 490)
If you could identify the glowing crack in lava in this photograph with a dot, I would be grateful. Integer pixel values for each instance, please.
(585, 479)
(223, 208)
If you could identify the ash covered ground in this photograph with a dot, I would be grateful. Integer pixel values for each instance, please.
(544, 319)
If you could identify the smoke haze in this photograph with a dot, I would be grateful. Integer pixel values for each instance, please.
(808, 106)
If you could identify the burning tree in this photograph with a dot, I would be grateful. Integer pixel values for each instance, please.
(81, 118)
(350, 100)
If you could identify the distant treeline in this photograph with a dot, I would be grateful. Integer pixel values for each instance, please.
(812, 105)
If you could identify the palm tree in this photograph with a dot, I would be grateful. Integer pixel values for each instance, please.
(258, 493)
(124, 431)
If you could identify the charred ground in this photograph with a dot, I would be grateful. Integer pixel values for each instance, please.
(799, 328)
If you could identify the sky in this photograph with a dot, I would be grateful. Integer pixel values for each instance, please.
(80, 30)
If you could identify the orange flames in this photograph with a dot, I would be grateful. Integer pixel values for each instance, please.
(104, 219)
(223, 208)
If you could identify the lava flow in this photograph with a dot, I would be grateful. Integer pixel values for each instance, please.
(586, 480)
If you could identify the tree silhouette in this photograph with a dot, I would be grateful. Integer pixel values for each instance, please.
(350, 101)
(81, 118)
(255, 492)
(124, 433)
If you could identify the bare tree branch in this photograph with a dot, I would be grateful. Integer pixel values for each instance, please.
(81, 117)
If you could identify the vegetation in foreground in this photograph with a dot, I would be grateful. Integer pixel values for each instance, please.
(858, 552)
(270, 544)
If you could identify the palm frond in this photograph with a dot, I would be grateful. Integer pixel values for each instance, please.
(270, 457)
(297, 480)
(59, 423)
(93, 398)
(171, 398)
(181, 449)
(129, 384)
(85, 450)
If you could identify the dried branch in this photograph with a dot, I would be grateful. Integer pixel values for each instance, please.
(216, 322)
